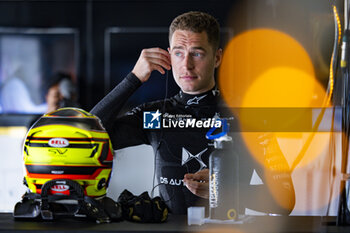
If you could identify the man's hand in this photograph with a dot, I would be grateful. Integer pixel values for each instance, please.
(149, 60)
(198, 183)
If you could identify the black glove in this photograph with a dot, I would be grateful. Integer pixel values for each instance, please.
(142, 208)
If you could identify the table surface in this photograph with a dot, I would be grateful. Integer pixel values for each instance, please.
(175, 223)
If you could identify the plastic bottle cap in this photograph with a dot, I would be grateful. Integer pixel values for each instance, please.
(195, 215)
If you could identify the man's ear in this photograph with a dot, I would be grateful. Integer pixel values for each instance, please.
(218, 57)
(169, 49)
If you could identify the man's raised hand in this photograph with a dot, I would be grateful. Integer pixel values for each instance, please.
(151, 59)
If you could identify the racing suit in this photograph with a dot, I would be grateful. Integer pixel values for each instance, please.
(180, 150)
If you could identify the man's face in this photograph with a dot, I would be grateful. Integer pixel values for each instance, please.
(193, 61)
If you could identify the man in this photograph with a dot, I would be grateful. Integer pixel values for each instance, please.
(61, 92)
(181, 154)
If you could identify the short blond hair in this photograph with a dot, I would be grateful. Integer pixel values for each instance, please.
(197, 22)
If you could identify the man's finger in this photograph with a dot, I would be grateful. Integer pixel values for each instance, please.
(157, 56)
(158, 50)
(198, 188)
(158, 68)
(160, 62)
(156, 53)
(195, 184)
(201, 175)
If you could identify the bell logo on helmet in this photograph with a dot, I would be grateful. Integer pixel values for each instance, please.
(58, 142)
(60, 188)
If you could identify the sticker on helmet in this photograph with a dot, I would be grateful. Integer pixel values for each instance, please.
(60, 188)
(58, 142)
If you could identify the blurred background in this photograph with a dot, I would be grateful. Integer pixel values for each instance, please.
(98, 42)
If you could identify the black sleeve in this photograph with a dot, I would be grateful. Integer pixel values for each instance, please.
(126, 130)
(108, 108)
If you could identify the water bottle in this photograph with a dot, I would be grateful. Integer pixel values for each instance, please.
(223, 178)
